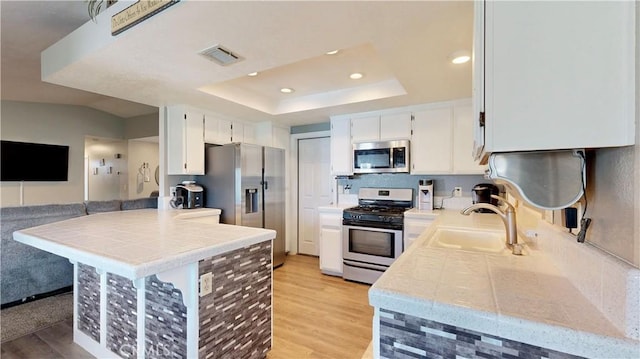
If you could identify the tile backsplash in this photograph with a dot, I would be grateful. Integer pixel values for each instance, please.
(442, 185)
(609, 283)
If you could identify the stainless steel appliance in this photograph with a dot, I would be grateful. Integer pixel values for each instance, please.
(247, 183)
(372, 232)
(189, 195)
(381, 157)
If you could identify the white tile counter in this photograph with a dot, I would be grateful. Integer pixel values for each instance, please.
(521, 298)
(138, 243)
(422, 214)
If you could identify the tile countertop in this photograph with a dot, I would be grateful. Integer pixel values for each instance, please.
(138, 243)
(522, 298)
(422, 214)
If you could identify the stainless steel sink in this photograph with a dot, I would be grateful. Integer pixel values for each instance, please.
(470, 240)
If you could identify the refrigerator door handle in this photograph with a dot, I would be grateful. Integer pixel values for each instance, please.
(266, 185)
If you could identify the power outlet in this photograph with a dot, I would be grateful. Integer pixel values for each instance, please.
(206, 284)
(457, 191)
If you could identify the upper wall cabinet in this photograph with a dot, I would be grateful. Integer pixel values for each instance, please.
(217, 130)
(442, 140)
(463, 160)
(341, 148)
(432, 141)
(243, 132)
(185, 141)
(553, 75)
(273, 136)
(381, 127)
(220, 131)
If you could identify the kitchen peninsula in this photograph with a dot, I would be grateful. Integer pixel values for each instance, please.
(441, 301)
(151, 283)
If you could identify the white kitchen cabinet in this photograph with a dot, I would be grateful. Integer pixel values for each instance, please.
(220, 131)
(330, 241)
(463, 161)
(237, 131)
(381, 127)
(341, 148)
(273, 136)
(248, 132)
(217, 130)
(432, 141)
(365, 129)
(281, 137)
(395, 126)
(185, 141)
(553, 75)
(413, 228)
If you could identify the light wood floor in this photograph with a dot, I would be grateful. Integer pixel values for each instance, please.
(318, 316)
(315, 316)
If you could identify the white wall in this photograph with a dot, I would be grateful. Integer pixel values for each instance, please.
(142, 126)
(60, 125)
(107, 169)
(142, 152)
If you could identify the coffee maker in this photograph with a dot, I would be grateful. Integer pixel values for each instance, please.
(189, 195)
(481, 193)
(425, 195)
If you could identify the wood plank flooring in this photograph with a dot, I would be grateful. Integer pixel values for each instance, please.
(318, 316)
(315, 316)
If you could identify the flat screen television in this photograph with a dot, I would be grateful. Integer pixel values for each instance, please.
(22, 161)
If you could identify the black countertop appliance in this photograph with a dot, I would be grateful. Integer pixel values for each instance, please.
(481, 193)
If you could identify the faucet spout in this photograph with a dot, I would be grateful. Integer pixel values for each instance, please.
(508, 217)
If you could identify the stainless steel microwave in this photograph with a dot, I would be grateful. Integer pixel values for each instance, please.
(381, 157)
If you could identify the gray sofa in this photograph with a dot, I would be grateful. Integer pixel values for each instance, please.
(27, 272)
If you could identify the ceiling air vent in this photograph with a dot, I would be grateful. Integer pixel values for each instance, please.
(220, 55)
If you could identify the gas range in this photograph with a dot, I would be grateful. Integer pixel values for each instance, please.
(379, 208)
(372, 232)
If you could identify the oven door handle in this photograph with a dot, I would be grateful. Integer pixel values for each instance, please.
(363, 265)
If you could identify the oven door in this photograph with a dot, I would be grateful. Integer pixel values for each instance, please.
(378, 246)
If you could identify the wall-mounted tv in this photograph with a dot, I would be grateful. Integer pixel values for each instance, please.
(22, 161)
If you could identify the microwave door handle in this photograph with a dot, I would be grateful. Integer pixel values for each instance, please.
(391, 157)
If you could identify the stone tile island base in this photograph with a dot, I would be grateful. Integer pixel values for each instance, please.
(162, 315)
(407, 336)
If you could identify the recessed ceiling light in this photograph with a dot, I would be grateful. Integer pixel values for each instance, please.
(332, 52)
(356, 76)
(286, 90)
(252, 74)
(460, 57)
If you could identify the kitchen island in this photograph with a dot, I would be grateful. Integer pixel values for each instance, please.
(445, 302)
(151, 283)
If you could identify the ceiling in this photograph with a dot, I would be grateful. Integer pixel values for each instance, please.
(401, 48)
(29, 27)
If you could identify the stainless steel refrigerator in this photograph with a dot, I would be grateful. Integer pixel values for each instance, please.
(247, 182)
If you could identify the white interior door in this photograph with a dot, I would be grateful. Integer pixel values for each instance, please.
(314, 187)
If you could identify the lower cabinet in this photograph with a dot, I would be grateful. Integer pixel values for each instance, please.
(413, 228)
(330, 240)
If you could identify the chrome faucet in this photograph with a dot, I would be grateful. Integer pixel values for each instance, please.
(508, 218)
